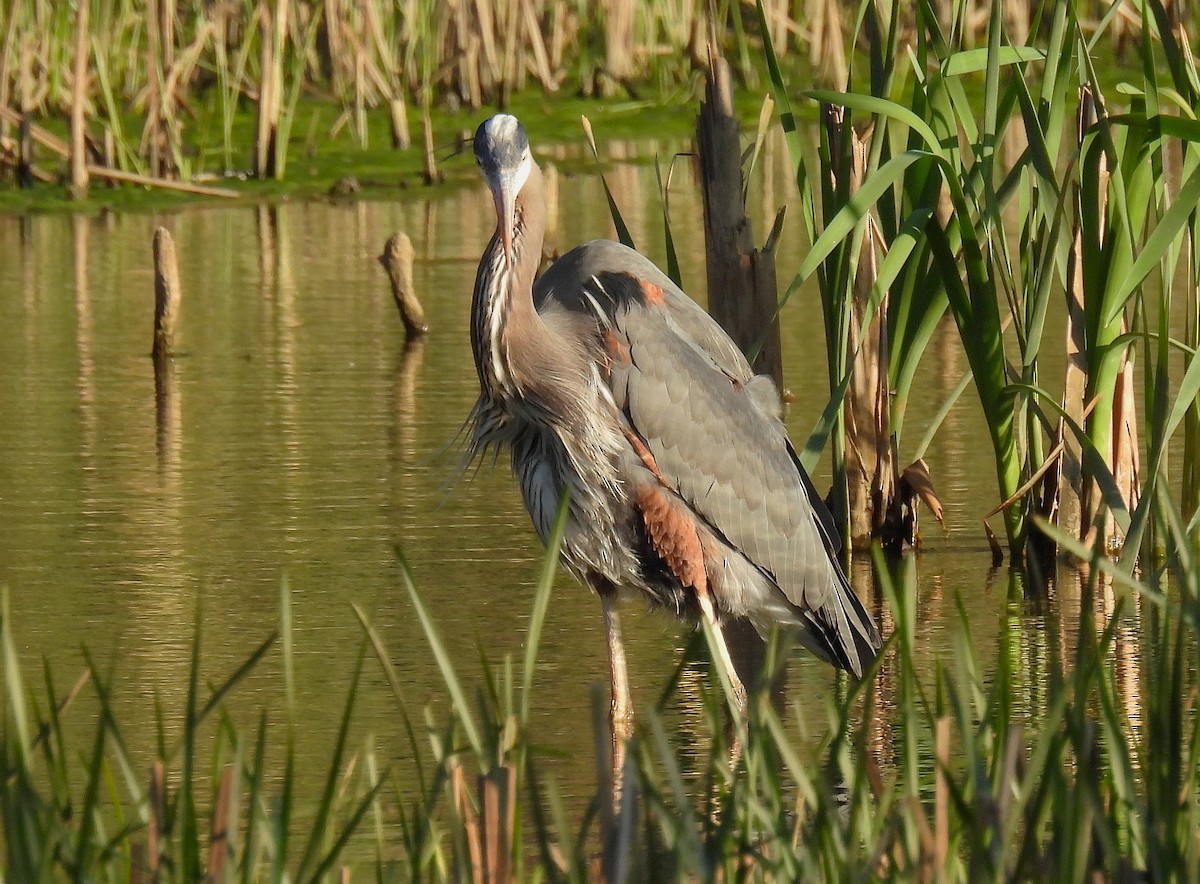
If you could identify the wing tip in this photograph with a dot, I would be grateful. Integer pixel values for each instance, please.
(845, 631)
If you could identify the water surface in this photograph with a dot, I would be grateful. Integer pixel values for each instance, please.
(296, 438)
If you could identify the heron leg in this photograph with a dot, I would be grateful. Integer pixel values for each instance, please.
(722, 650)
(622, 701)
(621, 710)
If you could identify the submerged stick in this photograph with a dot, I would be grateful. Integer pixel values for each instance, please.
(165, 183)
(166, 293)
(31, 133)
(397, 260)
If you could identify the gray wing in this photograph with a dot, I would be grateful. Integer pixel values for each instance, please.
(689, 393)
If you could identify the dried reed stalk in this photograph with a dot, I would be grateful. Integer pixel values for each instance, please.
(79, 85)
(158, 812)
(218, 851)
(826, 42)
(941, 803)
(432, 175)
(618, 39)
(7, 51)
(401, 138)
(870, 463)
(270, 93)
(466, 813)
(497, 814)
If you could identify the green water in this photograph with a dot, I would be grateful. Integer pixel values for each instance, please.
(295, 437)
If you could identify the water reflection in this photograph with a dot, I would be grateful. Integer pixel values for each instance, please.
(299, 433)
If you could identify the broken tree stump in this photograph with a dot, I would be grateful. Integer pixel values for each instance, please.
(741, 279)
(397, 260)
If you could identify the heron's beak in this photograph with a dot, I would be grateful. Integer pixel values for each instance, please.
(505, 196)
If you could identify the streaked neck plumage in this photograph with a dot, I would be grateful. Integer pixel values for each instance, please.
(505, 326)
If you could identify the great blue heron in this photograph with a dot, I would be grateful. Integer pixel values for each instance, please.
(604, 378)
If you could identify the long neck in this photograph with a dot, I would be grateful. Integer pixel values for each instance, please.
(504, 321)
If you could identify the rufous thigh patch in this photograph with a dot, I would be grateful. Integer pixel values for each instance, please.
(652, 293)
(673, 536)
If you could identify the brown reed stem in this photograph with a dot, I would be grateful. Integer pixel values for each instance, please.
(941, 805)
(218, 851)
(7, 52)
(25, 171)
(466, 814)
(270, 92)
(432, 175)
(497, 812)
(79, 164)
(401, 138)
(158, 811)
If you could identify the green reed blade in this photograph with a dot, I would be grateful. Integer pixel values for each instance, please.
(343, 837)
(883, 107)
(1155, 246)
(458, 699)
(285, 629)
(219, 694)
(281, 817)
(322, 818)
(672, 258)
(84, 846)
(254, 802)
(185, 809)
(623, 235)
(851, 216)
(13, 684)
(393, 680)
(690, 850)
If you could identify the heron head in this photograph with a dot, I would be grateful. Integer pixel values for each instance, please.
(502, 152)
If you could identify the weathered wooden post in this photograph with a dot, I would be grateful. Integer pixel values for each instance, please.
(741, 279)
(166, 294)
(397, 260)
